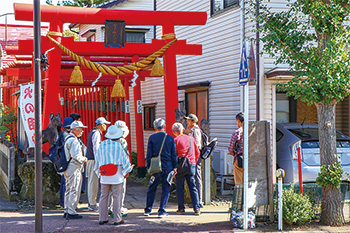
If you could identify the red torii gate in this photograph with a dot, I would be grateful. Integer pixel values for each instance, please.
(57, 15)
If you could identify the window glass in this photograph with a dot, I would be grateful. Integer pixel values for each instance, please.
(279, 135)
(149, 116)
(219, 5)
(135, 37)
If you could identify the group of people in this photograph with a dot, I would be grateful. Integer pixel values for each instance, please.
(174, 153)
(105, 162)
(107, 165)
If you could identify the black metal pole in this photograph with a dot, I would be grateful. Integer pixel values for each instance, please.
(38, 137)
(257, 45)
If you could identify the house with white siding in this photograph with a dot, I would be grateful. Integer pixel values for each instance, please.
(208, 84)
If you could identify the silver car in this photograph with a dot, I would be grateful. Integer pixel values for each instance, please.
(291, 136)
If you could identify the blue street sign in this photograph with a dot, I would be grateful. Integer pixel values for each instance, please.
(243, 68)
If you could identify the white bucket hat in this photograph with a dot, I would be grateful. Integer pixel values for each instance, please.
(113, 132)
(122, 126)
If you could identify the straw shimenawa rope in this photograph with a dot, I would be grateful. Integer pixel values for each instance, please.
(112, 70)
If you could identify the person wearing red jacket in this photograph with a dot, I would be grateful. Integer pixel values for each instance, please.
(188, 153)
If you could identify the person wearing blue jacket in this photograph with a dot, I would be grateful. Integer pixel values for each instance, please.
(168, 161)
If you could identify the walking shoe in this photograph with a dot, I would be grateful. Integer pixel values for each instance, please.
(146, 213)
(182, 211)
(197, 212)
(65, 215)
(118, 223)
(163, 215)
(74, 216)
(124, 215)
(93, 208)
(110, 213)
(201, 205)
(102, 222)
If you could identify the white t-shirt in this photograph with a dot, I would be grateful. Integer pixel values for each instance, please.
(115, 179)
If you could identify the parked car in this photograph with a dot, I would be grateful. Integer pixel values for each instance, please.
(291, 136)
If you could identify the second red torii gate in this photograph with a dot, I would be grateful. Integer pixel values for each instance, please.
(57, 15)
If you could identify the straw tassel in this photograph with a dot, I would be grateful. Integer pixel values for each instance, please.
(157, 69)
(76, 76)
(118, 89)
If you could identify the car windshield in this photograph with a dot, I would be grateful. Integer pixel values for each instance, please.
(311, 133)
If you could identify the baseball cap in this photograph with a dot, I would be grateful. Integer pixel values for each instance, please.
(102, 120)
(67, 122)
(192, 117)
(113, 132)
(77, 124)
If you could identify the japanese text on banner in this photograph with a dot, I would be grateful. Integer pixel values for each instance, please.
(27, 112)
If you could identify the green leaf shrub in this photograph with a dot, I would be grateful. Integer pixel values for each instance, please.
(297, 208)
(331, 175)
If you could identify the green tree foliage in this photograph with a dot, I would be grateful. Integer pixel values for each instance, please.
(67, 33)
(313, 38)
(81, 3)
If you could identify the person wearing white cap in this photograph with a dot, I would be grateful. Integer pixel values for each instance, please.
(93, 143)
(122, 125)
(113, 165)
(73, 176)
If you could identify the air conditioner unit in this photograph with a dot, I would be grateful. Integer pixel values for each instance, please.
(222, 162)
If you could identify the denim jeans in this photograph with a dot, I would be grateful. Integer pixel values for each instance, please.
(62, 190)
(180, 182)
(152, 189)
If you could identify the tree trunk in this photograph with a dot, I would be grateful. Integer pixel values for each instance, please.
(331, 207)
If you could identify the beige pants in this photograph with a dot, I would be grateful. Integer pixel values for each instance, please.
(73, 178)
(110, 200)
(117, 192)
(93, 182)
(238, 174)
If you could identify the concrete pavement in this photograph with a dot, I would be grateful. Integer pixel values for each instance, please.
(213, 219)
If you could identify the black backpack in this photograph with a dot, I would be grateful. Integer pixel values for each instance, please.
(58, 156)
(207, 146)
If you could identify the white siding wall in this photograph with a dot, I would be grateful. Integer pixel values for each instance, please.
(219, 64)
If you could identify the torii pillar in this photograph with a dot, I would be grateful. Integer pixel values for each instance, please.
(52, 76)
(170, 81)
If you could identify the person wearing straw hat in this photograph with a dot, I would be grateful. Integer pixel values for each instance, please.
(113, 166)
(93, 143)
(73, 175)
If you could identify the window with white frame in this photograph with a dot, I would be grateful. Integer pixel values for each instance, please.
(218, 6)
